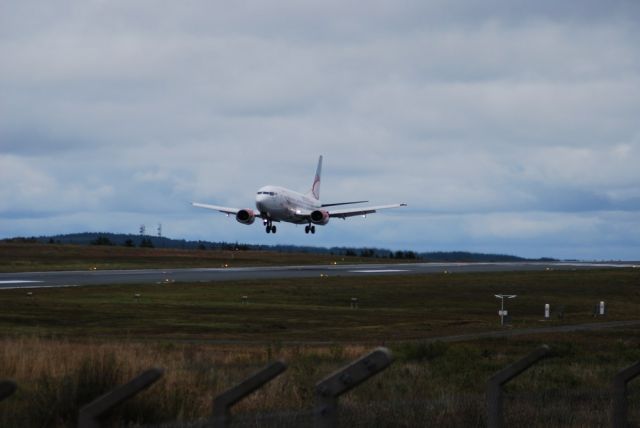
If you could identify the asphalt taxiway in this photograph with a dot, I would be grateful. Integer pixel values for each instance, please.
(155, 276)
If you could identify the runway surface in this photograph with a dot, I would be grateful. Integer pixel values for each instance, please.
(154, 276)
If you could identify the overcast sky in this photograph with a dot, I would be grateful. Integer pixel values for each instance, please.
(507, 126)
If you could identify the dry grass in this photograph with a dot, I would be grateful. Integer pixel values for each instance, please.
(57, 377)
(30, 257)
(442, 384)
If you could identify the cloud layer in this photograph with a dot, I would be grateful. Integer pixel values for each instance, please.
(507, 126)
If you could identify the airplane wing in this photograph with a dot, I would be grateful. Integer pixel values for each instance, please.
(343, 203)
(361, 210)
(225, 210)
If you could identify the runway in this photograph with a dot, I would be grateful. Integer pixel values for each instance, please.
(155, 276)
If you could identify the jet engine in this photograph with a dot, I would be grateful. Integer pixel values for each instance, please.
(320, 217)
(246, 216)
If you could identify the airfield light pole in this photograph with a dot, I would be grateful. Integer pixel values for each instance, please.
(502, 312)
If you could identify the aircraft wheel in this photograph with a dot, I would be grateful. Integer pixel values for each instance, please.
(313, 229)
(268, 229)
(273, 229)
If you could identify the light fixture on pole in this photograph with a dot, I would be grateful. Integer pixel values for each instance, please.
(502, 312)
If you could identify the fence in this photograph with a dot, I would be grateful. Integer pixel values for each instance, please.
(326, 410)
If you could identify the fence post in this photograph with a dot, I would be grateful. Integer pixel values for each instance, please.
(620, 402)
(89, 415)
(223, 402)
(330, 388)
(495, 417)
(7, 387)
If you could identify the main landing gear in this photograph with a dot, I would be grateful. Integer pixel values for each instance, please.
(310, 228)
(271, 228)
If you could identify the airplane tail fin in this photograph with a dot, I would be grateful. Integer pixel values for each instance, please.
(315, 188)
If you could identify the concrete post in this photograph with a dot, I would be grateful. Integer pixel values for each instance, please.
(89, 416)
(495, 417)
(222, 403)
(7, 388)
(333, 386)
(620, 402)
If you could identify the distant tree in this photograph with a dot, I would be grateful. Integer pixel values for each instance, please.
(201, 246)
(146, 243)
(23, 240)
(128, 242)
(51, 241)
(101, 240)
(367, 252)
(350, 252)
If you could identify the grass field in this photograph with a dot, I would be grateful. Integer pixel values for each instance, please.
(318, 309)
(29, 257)
(66, 346)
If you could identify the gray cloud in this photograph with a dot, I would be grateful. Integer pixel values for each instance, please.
(507, 126)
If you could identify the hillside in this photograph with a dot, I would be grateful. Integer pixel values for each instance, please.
(131, 240)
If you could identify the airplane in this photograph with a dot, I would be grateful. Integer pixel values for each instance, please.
(275, 204)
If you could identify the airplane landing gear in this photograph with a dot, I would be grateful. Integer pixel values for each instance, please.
(309, 228)
(270, 227)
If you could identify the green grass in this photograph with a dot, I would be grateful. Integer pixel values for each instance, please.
(318, 309)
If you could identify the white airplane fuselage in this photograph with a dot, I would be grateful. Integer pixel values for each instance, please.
(282, 204)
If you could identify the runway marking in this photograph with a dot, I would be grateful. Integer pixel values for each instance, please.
(17, 281)
(379, 270)
(27, 287)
